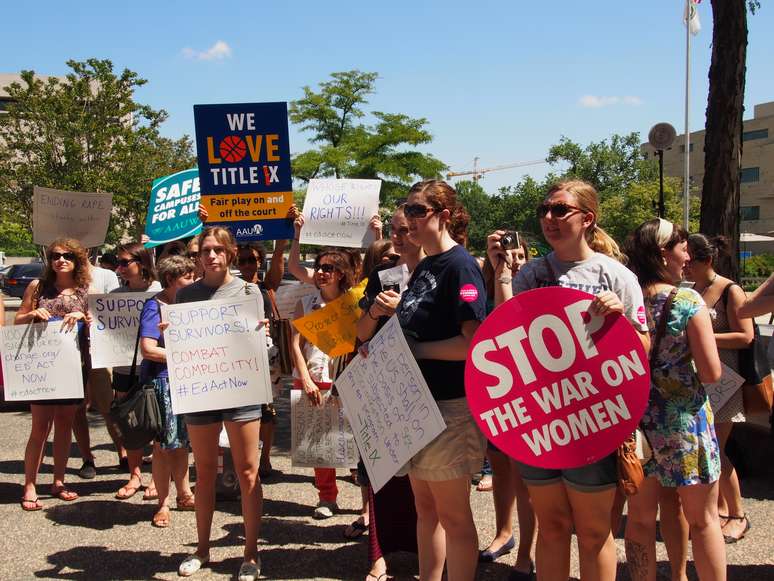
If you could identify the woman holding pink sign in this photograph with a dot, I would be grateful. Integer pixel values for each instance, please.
(584, 257)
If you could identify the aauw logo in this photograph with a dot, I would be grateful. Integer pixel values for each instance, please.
(256, 230)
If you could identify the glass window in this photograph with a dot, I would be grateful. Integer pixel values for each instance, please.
(755, 134)
(750, 175)
(750, 212)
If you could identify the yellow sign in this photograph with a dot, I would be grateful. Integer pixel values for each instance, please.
(333, 328)
(241, 207)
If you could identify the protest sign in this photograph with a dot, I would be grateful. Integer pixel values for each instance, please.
(173, 210)
(79, 215)
(388, 404)
(395, 278)
(113, 330)
(321, 436)
(721, 391)
(332, 328)
(337, 212)
(288, 295)
(552, 386)
(40, 362)
(216, 354)
(244, 168)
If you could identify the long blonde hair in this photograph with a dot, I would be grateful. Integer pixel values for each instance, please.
(587, 199)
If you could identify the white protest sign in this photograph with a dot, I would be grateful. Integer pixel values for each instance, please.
(337, 212)
(395, 278)
(321, 436)
(388, 404)
(113, 330)
(216, 354)
(721, 391)
(287, 297)
(41, 361)
(79, 215)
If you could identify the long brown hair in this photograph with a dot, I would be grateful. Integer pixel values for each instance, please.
(81, 272)
(143, 256)
(644, 252)
(441, 196)
(374, 254)
(342, 261)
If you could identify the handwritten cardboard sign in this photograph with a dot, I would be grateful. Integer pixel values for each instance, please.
(288, 295)
(388, 404)
(337, 212)
(173, 210)
(79, 215)
(216, 354)
(721, 391)
(243, 155)
(551, 386)
(113, 330)
(332, 328)
(40, 362)
(320, 435)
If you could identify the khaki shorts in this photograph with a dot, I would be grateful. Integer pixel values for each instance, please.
(457, 452)
(99, 386)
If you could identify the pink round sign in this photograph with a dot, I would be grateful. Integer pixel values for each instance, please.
(552, 386)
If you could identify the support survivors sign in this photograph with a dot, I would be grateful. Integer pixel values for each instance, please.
(173, 211)
(553, 387)
(244, 168)
(320, 435)
(337, 212)
(113, 330)
(216, 354)
(41, 361)
(388, 404)
(79, 215)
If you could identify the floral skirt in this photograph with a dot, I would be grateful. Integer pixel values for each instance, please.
(175, 434)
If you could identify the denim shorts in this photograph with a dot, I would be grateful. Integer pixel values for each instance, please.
(245, 413)
(601, 475)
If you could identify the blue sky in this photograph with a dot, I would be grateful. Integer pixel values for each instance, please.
(501, 80)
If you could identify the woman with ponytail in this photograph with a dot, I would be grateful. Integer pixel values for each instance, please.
(584, 257)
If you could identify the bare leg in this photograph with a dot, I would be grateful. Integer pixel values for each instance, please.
(267, 439)
(596, 547)
(244, 437)
(504, 497)
(81, 432)
(526, 521)
(674, 530)
(134, 457)
(162, 472)
(42, 416)
(730, 497)
(204, 441)
(700, 505)
(553, 512)
(641, 531)
(431, 539)
(452, 503)
(179, 466)
(63, 434)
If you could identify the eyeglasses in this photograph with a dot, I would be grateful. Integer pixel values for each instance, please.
(248, 260)
(558, 210)
(69, 256)
(418, 210)
(124, 262)
(326, 268)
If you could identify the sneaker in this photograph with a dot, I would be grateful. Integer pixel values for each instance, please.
(325, 510)
(191, 564)
(250, 571)
(88, 471)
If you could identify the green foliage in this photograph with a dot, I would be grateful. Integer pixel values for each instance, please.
(758, 266)
(85, 133)
(348, 148)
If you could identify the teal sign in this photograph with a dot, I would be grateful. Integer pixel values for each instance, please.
(173, 211)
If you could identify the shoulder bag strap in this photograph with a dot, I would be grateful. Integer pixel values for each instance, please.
(661, 329)
(133, 369)
(274, 309)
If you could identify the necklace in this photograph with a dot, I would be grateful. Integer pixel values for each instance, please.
(709, 284)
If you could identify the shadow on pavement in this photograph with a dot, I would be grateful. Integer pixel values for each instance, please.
(101, 564)
(101, 514)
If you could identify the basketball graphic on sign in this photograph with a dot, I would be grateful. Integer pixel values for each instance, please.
(232, 149)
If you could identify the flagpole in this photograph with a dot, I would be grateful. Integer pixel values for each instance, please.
(687, 171)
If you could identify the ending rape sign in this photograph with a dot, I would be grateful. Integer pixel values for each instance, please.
(550, 385)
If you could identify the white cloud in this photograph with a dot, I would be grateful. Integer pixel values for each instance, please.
(217, 52)
(596, 101)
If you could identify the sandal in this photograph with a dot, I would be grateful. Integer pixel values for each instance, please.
(150, 493)
(355, 530)
(730, 539)
(186, 502)
(31, 504)
(62, 493)
(129, 492)
(485, 484)
(161, 518)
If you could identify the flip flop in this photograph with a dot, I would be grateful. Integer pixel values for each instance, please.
(130, 492)
(34, 502)
(355, 530)
(485, 484)
(187, 502)
(161, 518)
(150, 494)
(64, 494)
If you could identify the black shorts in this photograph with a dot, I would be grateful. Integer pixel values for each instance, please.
(268, 413)
(601, 475)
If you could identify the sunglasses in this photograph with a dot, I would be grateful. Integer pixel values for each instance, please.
(417, 210)
(248, 260)
(124, 262)
(326, 268)
(69, 256)
(558, 210)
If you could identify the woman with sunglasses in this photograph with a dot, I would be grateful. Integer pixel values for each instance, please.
(192, 252)
(136, 270)
(439, 312)
(333, 276)
(584, 257)
(391, 519)
(217, 251)
(60, 293)
(678, 420)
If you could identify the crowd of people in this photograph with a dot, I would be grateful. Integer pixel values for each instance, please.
(690, 484)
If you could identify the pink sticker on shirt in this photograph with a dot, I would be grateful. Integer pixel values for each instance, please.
(641, 318)
(468, 293)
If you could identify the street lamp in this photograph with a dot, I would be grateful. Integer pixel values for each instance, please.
(661, 137)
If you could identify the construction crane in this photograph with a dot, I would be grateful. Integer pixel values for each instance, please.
(478, 173)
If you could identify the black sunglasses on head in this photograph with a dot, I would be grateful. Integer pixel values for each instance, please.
(418, 210)
(69, 256)
(558, 210)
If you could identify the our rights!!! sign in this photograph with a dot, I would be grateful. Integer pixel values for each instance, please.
(552, 386)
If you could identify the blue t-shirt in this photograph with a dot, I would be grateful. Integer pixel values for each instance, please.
(444, 291)
(150, 317)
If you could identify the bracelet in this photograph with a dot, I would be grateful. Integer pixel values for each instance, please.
(505, 280)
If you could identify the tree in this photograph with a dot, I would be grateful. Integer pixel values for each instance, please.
(723, 137)
(348, 148)
(85, 133)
